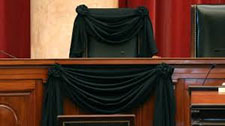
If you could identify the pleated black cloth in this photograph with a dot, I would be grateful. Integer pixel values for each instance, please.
(110, 89)
(112, 26)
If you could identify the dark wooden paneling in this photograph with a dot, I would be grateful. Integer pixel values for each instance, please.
(143, 114)
(180, 102)
(207, 97)
(22, 81)
(17, 103)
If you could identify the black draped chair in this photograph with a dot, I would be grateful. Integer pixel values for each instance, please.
(119, 32)
(208, 30)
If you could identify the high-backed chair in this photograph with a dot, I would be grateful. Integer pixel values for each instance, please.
(119, 32)
(208, 30)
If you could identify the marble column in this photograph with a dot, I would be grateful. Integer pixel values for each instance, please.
(52, 23)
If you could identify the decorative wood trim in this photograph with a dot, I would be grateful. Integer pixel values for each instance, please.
(11, 110)
(29, 63)
(15, 94)
(187, 72)
(16, 85)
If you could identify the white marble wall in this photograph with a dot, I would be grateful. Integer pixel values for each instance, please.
(52, 23)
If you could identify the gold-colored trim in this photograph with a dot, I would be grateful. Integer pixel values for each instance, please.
(64, 123)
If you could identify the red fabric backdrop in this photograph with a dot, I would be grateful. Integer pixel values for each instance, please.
(2, 27)
(172, 23)
(170, 18)
(15, 27)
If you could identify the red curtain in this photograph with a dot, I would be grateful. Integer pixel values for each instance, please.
(170, 18)
(208, 1)
(15, 28)
(2, 27)
(150, 4)
(172, 23)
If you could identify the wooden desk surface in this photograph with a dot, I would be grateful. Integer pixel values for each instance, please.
(110, 61)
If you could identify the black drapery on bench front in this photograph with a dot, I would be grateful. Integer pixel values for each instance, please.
(110, 89)
(112, 26)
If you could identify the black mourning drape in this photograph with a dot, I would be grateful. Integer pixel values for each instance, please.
(112, 28)
(110, 89)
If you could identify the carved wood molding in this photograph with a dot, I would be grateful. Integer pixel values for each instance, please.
(11, 110)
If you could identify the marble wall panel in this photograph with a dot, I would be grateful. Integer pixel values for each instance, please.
(52, 23)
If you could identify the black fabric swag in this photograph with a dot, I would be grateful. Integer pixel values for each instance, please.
(110, 89)
(112, 26)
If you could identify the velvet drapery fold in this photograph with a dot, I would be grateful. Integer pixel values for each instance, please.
(110, 89)
(112, 26)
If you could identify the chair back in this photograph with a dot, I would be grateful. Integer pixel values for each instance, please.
(115, 32)
(208, 30)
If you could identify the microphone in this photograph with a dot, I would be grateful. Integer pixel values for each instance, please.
(7, 54)
(211, 67)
